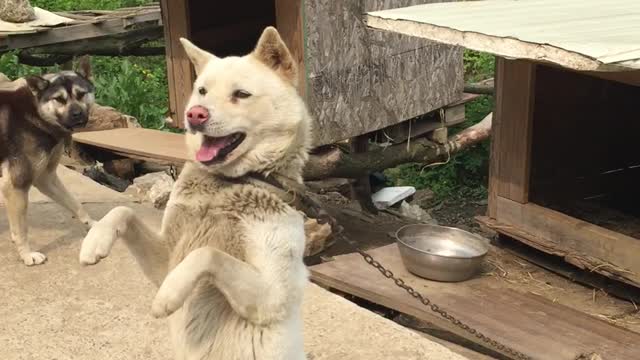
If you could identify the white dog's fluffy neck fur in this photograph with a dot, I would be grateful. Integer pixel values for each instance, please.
(228, 258)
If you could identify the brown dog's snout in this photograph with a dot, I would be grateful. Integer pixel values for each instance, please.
(197, 115)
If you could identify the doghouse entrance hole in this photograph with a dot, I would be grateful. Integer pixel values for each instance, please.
(229, 27)
(586, 150)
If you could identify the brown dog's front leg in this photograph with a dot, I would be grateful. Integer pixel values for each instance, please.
(50, 185)
(17, 201)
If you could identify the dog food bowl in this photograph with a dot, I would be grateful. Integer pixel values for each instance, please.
(441, 253)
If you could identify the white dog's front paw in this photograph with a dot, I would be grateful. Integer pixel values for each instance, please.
(97, 244)
(33, 258)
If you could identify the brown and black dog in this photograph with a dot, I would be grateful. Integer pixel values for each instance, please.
(37, 117)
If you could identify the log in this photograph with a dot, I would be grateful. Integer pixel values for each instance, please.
(484, 87)
(336, 163)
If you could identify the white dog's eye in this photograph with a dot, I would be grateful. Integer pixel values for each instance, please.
(60, 99)
(241, 94)
(202, 91)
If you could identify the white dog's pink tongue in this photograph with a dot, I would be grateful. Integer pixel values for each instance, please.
(210, 148)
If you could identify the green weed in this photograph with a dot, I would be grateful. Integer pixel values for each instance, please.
(71, 5)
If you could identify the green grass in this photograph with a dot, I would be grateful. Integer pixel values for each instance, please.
(136, 86)
(466, 173)
(71, 5)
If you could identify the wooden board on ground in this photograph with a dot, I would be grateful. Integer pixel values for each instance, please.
(138, 142)
(523, 321)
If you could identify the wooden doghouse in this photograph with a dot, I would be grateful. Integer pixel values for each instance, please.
(565, 161)
(355, 80)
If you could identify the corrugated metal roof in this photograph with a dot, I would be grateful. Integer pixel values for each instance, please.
(580, 34)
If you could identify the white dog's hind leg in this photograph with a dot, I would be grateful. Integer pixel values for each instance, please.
(50, 185)
(17, 201)
(146, 245)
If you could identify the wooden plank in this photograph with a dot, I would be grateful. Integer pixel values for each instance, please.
(362, 80)
(180, 74)
(291, 28)
(526, 322)
(453, 115)
(514, 117)
(140, 142)
(108, 27)
(625, 77)
(516, 241)
(582, 244)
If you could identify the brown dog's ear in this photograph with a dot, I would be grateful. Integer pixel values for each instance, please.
(36, 83)
(273, 52)
(84, 67)
(199, 58)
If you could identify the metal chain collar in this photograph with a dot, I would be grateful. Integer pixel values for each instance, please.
(435, 308)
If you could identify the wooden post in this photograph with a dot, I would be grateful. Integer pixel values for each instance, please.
(511, 134)
(180, 75)
(290, 26)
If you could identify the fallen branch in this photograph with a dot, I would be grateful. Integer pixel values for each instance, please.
(336, 163)
(484, 87)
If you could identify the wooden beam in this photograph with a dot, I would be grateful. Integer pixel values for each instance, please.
(180, 75)
(106, 27)
(581, 243)
(122, 44)
(289, 22)
(625, 77)
(513, 126)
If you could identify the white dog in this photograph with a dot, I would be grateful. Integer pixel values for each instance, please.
(228, 258)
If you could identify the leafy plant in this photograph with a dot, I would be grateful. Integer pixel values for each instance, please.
(478, 66)
(71, 5)
(136, 90)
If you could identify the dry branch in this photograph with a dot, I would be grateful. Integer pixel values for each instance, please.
(484, 87)
(335, 163)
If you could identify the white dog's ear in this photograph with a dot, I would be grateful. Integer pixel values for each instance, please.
(273, 52)
(199, 58)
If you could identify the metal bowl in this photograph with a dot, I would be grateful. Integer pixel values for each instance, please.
(441, 253)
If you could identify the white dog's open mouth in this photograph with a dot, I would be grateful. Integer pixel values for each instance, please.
(215, 149)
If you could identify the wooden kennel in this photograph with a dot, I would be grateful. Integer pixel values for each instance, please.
(355, 80)
(565, 160)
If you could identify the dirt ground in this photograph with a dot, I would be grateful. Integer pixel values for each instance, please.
(502, 267)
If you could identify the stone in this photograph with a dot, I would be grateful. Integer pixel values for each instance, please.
(16, 11)
(318, 237)
(122, 168)
(415, 212)
(106, 117)
(154, 188)
(422, 197)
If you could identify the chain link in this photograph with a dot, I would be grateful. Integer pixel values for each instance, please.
(435, 308)
(173, 172)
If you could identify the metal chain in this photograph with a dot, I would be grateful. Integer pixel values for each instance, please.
(173, 172)
(435, 308)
